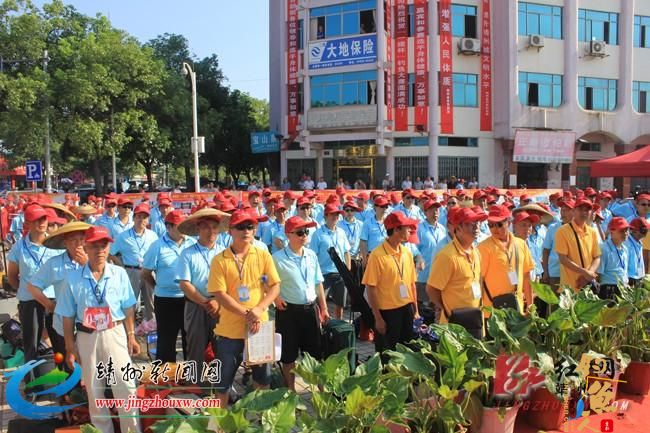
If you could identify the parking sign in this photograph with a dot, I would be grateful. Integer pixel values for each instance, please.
(34, 171)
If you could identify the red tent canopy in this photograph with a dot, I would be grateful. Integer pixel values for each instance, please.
(635, 164)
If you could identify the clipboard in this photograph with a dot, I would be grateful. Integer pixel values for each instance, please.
(260, 347)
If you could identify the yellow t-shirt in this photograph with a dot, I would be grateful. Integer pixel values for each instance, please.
(646, 242)
(496, 263)
(453, 272)
(387, 269)
(565, 244)
(225, 277)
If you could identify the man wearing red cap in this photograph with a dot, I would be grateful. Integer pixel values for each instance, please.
(158, 224)
(109, 215)
(408, 206)
(373, 232)
(362, 200)
(169, 302)
(604, 199)
(550, 259)
(131, 246)
(614, 259)
(636, 268)
(98, 301)
(17, 222)
(641, 207)
(255, 202)
(578, 248)
(289, 199)
(390, 284)
(264, 228)
(124, 220)
(304, 210)
(432, 236)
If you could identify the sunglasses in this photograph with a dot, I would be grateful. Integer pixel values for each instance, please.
(452, 203)
(408, 197)
(643, 230)
(305, 207)
(644, 204)
(301, 232)
(499, 224)
(383, 207)
(127, 207)
(111, 205)
(348, 210)
(243, 227)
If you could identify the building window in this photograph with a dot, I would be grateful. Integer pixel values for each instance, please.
(641, 31)
(411, 141)
(598, 26)
(344, 19)
(590, 147)
(301, 34)
(640, 92)
(540, 90)
(301, 98)
(461, 167)
(463, 21)
(535, 19)
(458, 141)
(598, 94)
(352, 88)
(465, 90)
(411, 90)
(414, 166)
(296, 168)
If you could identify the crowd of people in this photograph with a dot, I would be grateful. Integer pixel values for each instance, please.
(85, 274)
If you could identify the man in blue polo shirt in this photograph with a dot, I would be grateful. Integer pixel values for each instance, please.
(108, 217)
(550, 259)
(431, 235)
(614, 259)
(301, 296)
(124, 219)
(169, 302)
(161, 211)
(408, 206)
(373, 232)
(98, 301)
(634, 243)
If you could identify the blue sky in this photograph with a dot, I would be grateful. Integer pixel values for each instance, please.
(237, 31)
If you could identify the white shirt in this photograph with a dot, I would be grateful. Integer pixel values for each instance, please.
(407, 184)
(322, 185)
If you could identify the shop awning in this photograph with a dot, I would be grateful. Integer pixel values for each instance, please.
(544, 146)
(634, 164)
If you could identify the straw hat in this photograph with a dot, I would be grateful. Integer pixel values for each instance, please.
(55, 240)
(189, 226)
(546, 216)
(64, 210)
(85, 209)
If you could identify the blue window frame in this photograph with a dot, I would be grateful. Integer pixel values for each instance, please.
(640, 93)
(641, 31)
(464, 21)
(301, 33)
(598, 26)
(465, 90)
(343, 19)
(351, 88)
(540, 90)
(598, 94)
(458, 141)
(536, 19)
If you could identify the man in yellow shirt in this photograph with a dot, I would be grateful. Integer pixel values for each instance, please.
(646, 251)
(577, 247)
(245, 282)
(506, 261)
(455, 280)
(390, 283)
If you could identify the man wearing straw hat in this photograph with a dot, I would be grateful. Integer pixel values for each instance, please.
(86, 213)
(52, 275)
(201, 309)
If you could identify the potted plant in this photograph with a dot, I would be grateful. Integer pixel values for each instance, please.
(636, 341)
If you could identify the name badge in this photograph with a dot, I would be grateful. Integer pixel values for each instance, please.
(512, 276)
(97, 318)
(243, 293)
(476, 290)
(403, 291)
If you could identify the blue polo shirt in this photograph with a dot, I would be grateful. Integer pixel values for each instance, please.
(264, 231)
(635, 264)
(117, 227)
(105, 221)
(82, 291)
(318, 213)
(155, 216)
(162, 257)
(132, 246)
(52, 275)
(299, 275)
(430, 236)
(635, 214)
(29, 258)
(323, 239)
(536, 244)
(365, 213)
(17, 226)
(159, 228)
(373, 232)
(607, 215)
(442, 216)
(549, 244)
(613, 263)
(415, 212)
(277, 232)
(194, 266)
(623, 209)
(224, 239)
(353, 233)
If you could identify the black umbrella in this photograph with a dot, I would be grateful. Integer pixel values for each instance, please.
(355, 289)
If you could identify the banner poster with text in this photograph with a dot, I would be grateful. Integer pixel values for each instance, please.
(388, 75)
(446, 70)
(401, 65)
(421, 65)
(486, 68)
(292, 65)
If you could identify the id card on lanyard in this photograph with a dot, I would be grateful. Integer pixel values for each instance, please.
(98, 318)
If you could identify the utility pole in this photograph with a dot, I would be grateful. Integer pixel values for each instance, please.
(48, 167)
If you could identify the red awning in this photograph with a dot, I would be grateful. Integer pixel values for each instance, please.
(635, 164)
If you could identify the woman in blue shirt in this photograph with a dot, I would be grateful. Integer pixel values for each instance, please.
(613, 261)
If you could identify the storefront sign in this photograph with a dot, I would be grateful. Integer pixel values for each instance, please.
(264, 142)
(292, 65)
(544, 146)
(486, 68)
(331, 53)
(421, 62)
(401, 65)
(346, 116)
(446, 70)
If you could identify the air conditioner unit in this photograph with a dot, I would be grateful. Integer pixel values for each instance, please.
(536, 41)
(469, 46)
(328, 153)
(598, 48)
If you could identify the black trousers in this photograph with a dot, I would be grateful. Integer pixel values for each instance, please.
(31, 315)
(58, 342)
(399, 328)
(170, 314)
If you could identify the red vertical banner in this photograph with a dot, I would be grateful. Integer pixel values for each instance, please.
(486, 68)
(421, 63)
(446, 70)
(401, 65)
(292, 65)
(388, 75)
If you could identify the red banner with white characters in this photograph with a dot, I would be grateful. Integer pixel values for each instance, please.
(421, 62)
(486, 68)
(292, 65)
(401, 65)
(388, 75)
(446, 68)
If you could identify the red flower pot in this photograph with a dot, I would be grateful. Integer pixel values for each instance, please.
(543, 410)
(637, 378)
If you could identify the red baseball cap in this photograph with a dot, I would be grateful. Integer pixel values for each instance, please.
(351, 205)
(303, 201)
(380, 201)
(340, 190)
(332, 208)
(466, 215)
(253, 193)
(274, 201)
(524, 197)
(266, 192)
(618, 223)
(590, 192)
(554, 196)
(142, 208)
(227, 207)
(498, 213)
(479, 194)
(430, 203)
(363, 196)
(491, 199)
(398, 219)
(566, 203)
(332, 198)
(393, 198)
(175, 217)
(643, 197)
(639, 223)
(124, 200)
(584, 202)
(242, 216)
(162, 194)
(164, 202)
(53, 218)
(290, 195)
(596, 210)
(409, 192)
(523, 215)
(309, 194)
(97, 233)
(219, 197)
(605, 195)
(280, 207)
(295, 223)
(34, 212)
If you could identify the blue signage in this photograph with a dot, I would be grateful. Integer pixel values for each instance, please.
(264, 142)
(332, 53)
(34, 171)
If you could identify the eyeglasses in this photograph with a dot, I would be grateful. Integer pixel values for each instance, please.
(348, 210)
(301, 232)
(644, 204)
(383, 207)
(242, 227)
(305, 207)
(408, 197)
(496, 225)
(110, 205)
(452, 203)
(127, 207)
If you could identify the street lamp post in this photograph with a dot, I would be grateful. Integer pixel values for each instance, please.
(48, 167)
(187, 70)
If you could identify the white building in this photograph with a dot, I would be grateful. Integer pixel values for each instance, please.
(574, 74)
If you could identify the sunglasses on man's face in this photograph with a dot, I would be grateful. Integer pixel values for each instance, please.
(127, 207)
(305, 208)
(452, 203)
(110, 205)
(349, 210)
(383, 207)
(301, 233)
(496, 225)
(243, 227)
(646, 204)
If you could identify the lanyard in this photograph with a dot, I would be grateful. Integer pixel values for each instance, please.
(37, 262)
(298, 263)
(240, 269)
(637, 251)
(620, 259)
(472, 263)
(333, 236)
(205, 256)
(137, 244)
(171, 246)
(399, 269)
(432, 230)
(351, 233)
(98, 296)
(381, 228)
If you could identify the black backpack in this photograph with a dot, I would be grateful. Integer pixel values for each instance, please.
(12, 332)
